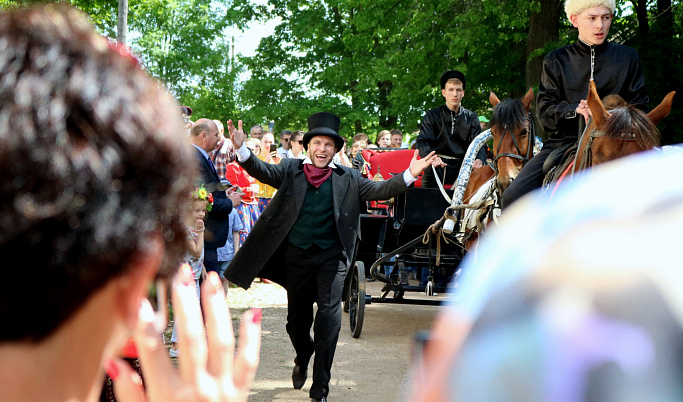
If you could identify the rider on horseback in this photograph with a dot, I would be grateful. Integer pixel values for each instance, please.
(567, 71)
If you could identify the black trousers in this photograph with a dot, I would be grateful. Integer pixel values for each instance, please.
(529, 178)
(315, 275)
(211, 259)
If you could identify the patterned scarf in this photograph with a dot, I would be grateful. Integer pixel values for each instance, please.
(315, 175)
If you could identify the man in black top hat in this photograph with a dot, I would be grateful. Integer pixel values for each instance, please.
(311, 225)
(448, 130)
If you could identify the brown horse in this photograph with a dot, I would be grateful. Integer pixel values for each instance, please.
(613, 134)
(623, 131)
(513, 142)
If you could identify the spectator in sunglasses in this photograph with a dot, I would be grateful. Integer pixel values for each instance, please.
(297, 146)
(285, 137)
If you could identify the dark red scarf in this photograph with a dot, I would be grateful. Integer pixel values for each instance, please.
(315, 175)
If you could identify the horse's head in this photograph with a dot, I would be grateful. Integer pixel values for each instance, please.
(622, 131)
(513, 136)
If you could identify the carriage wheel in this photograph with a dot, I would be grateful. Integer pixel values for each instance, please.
(345, 305)
(347, 286)
(356, 299)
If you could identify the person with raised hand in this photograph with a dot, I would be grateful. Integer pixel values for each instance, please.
(209, 368)
(305, 239)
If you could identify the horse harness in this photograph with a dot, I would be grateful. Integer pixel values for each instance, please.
(587, 160)
(530, 146)
(491, 200)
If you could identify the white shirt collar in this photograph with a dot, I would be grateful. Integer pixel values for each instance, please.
(310, 162)
(206, 155)
(453, 111)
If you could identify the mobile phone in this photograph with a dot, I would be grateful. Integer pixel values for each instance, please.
(273, 147)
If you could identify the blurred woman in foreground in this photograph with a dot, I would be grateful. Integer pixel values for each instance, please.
(94, 185)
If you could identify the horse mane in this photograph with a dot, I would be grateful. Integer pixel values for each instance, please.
(630, 119)
(613, 101)
(510, 113)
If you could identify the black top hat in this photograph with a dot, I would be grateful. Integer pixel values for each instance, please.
(326, 124)
(453, 74)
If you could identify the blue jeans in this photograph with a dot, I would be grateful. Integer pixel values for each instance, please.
(222, 266)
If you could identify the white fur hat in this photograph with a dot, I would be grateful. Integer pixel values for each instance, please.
(575, 7)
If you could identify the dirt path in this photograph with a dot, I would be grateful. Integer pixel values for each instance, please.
(373, 367)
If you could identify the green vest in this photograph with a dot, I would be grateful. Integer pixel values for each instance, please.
(315, 224)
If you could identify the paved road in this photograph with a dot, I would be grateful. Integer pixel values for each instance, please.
(374, 367)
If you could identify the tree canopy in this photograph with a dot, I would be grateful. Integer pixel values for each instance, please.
(376, 63)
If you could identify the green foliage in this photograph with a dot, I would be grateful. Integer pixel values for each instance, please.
(102, 13)
(376, 63)
(181, 42)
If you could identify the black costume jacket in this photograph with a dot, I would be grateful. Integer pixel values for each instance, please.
(435, 133)
(263, 252)
(565, 79)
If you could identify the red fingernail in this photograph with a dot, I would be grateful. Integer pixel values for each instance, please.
(130, 350)
(112, 370)
(186, 275)
(258, 315)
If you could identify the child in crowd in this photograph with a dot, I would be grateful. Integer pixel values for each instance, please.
(202, 200)
(228, 251)
(248, 210)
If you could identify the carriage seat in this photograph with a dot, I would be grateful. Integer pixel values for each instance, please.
(389, 162)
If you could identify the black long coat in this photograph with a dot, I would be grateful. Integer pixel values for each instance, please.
(262, 254)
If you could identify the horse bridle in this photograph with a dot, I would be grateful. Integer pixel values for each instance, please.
(588, 151)
(530, 147)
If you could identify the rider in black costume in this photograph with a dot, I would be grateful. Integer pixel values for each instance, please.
(561, 102)
(448, 130)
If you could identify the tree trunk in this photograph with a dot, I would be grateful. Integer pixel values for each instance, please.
(643, 26)
(544, 26)
(122, 25)
(663, 61)
(665, 24)
(386, 120)
(357, 124)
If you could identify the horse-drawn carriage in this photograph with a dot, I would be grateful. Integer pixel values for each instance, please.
(392, 249)
(415, 242)
(423, 232)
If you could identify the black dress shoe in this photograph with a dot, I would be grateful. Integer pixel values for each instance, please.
(323, 399)
(299, 376)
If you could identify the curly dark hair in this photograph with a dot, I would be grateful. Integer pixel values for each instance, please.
(94, 165)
